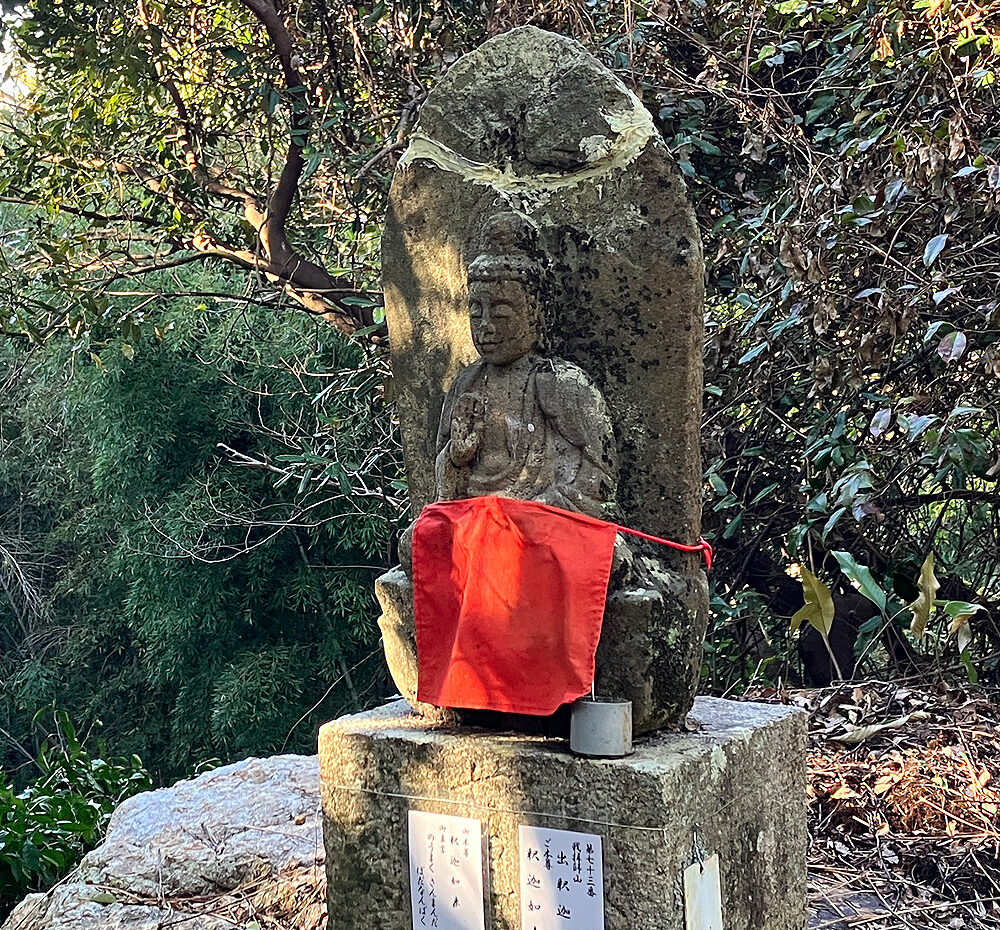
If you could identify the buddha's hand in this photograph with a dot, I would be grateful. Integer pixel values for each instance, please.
(466, 429)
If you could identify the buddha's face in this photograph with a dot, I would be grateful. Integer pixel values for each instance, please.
(504, 320)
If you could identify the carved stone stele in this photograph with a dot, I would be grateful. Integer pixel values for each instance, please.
(531, 125)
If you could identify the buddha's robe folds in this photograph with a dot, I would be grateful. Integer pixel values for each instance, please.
(544, 434)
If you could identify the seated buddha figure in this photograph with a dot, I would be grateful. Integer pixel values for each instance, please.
(516, 423)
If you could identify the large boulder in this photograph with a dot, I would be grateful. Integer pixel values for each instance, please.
(225, 845)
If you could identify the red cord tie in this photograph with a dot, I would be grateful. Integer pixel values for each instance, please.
(703, 546)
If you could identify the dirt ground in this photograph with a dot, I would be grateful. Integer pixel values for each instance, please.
(904, 792)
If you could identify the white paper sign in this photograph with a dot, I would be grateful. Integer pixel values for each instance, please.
(562, 880)
(703, 895)
(446, 872)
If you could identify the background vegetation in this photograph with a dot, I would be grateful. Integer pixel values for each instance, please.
(198, 466)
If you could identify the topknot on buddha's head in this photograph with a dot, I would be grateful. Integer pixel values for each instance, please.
(507, 249)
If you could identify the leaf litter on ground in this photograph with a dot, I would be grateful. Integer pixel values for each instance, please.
(904, 805)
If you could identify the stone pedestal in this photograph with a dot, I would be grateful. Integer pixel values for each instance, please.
(734, 785)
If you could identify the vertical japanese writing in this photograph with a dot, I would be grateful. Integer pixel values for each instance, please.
(431, 887)
(420, 905)
(446, 872)
(562, 883)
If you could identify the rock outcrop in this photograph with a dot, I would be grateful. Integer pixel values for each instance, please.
(219, 850)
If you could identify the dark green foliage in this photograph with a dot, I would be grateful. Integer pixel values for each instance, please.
(193, 550)
(49, 822)
(844, 162)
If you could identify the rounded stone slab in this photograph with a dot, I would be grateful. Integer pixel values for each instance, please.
(185, 856)
(531, 121)
(567, 111)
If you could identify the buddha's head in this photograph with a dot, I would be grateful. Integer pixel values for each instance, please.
(505, 281)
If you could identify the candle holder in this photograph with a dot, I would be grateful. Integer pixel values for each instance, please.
(601, 728)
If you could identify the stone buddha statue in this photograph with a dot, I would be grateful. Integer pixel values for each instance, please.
(516, 423)
(520, 423)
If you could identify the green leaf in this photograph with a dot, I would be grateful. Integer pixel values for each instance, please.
(936, 327)
(958, 610)
(764, 492)
(861, 578)
(971, 46)
(718, 485)
(818, 609)
(832, 522)
(916, 425)
(970, 668)
(752, 354)
(933, 249)
(927, 586)
(866, 633)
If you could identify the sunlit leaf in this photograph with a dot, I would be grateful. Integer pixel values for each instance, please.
(880, 422)
(927, 586)
(952, 347)
(933, 249)
(944, 294)
(818, 609)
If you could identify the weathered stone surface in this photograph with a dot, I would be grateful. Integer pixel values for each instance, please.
(202, 837)
(531, 123)
(734, 786)
(530, 119)
(399, 640)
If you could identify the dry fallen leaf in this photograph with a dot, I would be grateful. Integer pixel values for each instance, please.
(886, 781)
(860, 734)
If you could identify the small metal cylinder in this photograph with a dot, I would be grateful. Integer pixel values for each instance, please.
(601, 727)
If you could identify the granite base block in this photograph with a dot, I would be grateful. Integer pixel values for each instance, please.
(734, 785)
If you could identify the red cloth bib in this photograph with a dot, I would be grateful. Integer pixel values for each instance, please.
(509, 598)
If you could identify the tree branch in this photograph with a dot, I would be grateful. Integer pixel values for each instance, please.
(935, 497)
(309, 283)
